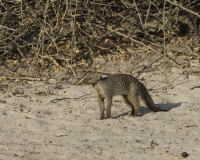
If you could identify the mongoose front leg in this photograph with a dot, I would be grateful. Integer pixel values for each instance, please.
(101, 104)
(102, 107)
(109, 104)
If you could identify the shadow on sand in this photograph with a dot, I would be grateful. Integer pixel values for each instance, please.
(145, 110)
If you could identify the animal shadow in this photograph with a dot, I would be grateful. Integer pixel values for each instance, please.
(145, 110)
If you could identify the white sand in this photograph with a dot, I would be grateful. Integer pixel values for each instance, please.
(33, 128)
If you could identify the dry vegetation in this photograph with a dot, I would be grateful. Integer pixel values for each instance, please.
(64, 34)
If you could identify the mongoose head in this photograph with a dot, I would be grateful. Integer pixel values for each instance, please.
(91, 78)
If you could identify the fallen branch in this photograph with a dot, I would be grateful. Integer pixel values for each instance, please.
(188, 10)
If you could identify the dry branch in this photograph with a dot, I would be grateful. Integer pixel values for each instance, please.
(186, 9)
(64, 32)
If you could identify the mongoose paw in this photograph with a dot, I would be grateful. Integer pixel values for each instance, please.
(108, 117)
(101, 118)
(131, 114)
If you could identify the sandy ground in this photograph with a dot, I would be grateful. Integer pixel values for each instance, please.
(46, 121)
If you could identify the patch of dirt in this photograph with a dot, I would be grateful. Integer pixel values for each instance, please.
(48, 118)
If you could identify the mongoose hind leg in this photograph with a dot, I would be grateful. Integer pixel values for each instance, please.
(135, 104)
(129, 103)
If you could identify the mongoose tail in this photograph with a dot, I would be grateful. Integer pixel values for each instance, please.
(148, 100)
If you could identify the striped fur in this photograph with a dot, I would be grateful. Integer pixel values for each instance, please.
(119, 84)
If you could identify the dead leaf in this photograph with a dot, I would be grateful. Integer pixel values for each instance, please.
(47, 112)
(27, 117)
(60, 135)
(2, 101)
(122, 53)
(83, 61)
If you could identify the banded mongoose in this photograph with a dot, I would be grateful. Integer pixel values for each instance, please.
(119, 84)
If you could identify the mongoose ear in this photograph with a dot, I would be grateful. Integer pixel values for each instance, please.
(98, 76)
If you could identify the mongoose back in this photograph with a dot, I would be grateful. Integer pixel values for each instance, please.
(119, 84)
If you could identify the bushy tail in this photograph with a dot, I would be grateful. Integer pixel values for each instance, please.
(147, 98)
